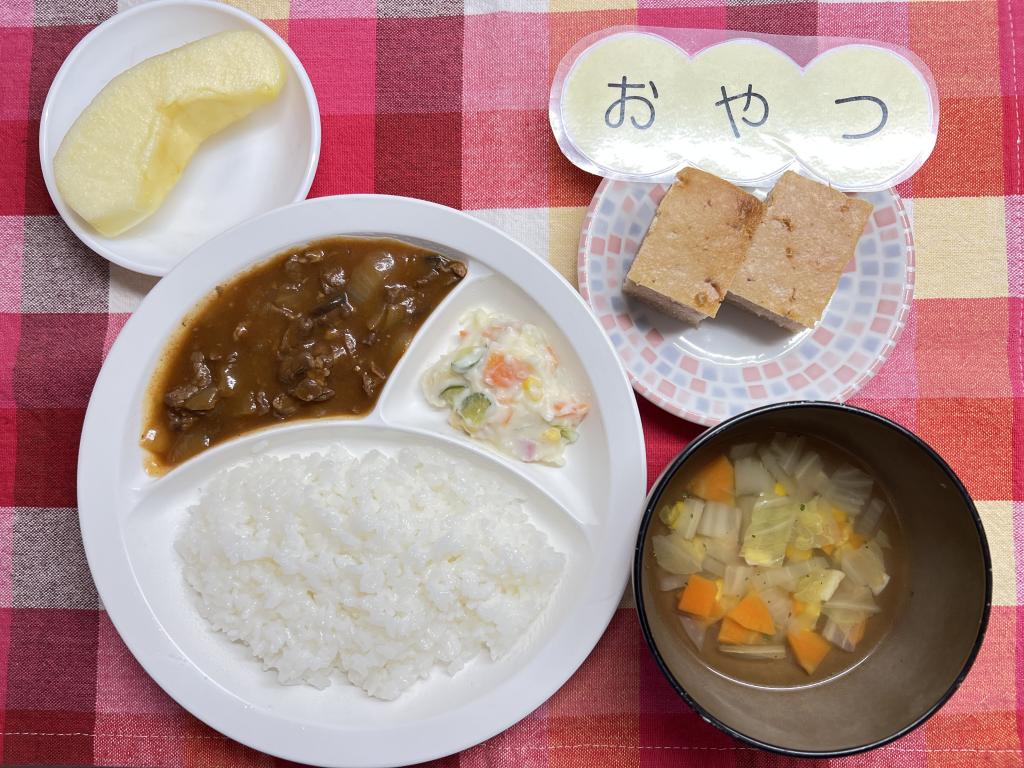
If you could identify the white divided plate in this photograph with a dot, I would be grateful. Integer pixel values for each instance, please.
(738, 361)
(262, 162)
(590, 508)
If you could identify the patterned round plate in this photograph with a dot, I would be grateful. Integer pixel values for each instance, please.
(738, 361)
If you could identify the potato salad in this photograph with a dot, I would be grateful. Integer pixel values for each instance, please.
(503, 384)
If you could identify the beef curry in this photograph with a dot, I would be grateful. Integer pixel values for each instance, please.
(312, 332)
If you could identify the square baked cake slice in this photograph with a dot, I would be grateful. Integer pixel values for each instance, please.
(808, 234)
(694, 247)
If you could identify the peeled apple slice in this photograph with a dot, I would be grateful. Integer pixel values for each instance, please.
(127, 149)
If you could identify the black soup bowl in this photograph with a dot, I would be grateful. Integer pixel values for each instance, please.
(936, 629)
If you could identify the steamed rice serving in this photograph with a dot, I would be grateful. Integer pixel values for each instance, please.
(377, 569)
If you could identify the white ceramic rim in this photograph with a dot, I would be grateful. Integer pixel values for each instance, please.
(453, 730)
(82, 232)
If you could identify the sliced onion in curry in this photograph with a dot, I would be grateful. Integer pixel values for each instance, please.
(312, 332)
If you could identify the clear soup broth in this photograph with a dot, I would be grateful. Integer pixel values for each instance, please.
(768, 540)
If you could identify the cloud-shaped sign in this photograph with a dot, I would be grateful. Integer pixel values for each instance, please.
(635, 105)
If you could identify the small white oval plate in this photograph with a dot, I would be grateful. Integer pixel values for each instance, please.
(738, 361)
(590, 508)
(263, 162)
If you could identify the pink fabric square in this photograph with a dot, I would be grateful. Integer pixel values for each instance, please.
(505, 62)
(823, 335)
(1015, 242)
(16, 13)
(10, 336)
(673, 13)
(845, 374)
(887, 307)
(115, 322)
(523, 745)
(12, 231)
(419, 65)
(5, 647)
(121, 684)
(118, 742)
(8, 453)
(340, 56)
(604, 685)
(991, 677)
(887, 22)
(321, 10)
(6, 592)
(504, 159)
(346, 156)
(15, 61)
(885, 217)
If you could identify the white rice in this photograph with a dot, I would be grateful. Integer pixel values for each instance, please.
(375, 568)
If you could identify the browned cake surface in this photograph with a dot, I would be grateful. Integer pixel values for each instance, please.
(694, 247)
(808, 233)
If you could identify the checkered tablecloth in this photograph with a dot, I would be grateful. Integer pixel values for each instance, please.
(447, 100)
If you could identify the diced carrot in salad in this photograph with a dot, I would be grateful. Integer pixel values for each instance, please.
(502, 384)
(505, 372)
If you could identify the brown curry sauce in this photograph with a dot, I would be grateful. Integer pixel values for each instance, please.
(314, 331)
